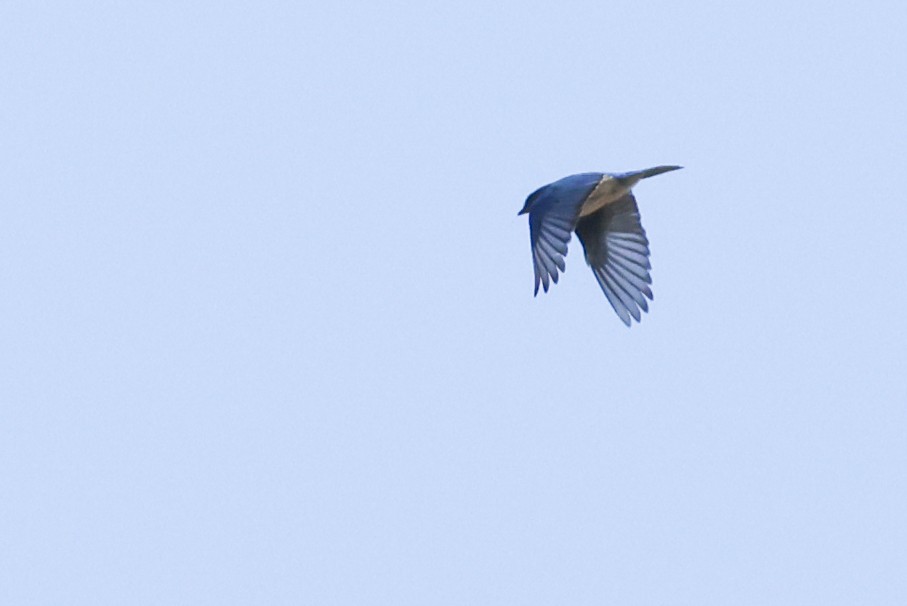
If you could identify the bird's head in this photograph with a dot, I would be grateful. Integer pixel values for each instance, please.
(530, 201)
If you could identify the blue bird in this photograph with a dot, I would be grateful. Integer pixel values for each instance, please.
(602, 210)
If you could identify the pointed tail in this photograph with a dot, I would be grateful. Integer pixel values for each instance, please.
(651, 172)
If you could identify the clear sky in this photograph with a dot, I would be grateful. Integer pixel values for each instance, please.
(268, 332)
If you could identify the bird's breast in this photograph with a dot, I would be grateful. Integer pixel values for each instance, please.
(607, 191)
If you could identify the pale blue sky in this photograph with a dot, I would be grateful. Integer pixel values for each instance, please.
(268, 330)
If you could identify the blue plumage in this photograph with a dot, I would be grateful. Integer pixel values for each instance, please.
(602, 210)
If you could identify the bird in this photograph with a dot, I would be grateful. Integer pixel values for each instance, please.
(601, 209)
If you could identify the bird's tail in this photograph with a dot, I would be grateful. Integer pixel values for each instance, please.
(657, 170)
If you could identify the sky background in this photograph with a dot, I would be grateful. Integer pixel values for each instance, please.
(267, 326)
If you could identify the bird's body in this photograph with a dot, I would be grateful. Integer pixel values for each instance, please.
(602, 210)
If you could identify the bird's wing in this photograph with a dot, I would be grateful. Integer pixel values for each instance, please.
(617, 250)
(551, 222)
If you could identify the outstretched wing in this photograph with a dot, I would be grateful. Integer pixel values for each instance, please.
(553, 212)
(550, 224)
(617, 250)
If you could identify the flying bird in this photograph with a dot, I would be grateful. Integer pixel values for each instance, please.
(602, 210)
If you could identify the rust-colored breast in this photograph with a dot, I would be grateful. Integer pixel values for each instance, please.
(607, 191)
